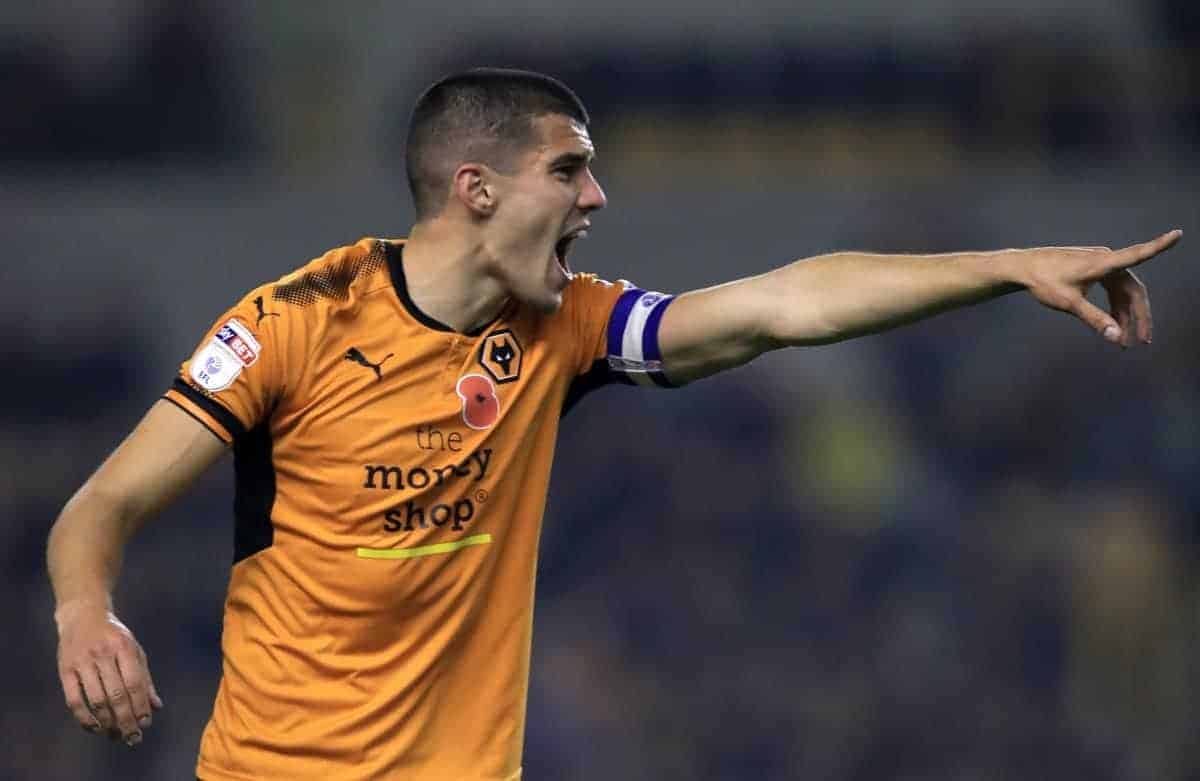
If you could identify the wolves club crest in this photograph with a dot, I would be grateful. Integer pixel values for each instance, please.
(500, 355)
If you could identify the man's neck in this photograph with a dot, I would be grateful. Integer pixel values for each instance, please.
(447, 279)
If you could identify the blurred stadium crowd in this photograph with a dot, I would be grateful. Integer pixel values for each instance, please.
(963, 550)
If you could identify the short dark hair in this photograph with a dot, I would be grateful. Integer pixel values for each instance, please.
(481, 115)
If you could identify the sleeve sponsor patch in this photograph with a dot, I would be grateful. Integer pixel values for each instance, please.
(238, 338)
(217, 364)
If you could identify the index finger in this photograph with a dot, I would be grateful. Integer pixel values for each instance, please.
(136, 679)
(119, 701)
(1140, 253)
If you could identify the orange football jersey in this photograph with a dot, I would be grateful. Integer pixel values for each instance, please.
(391, 476)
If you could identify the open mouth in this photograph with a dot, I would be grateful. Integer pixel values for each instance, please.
(562, 247)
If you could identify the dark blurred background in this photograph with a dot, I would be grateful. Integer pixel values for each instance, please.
(962, 550)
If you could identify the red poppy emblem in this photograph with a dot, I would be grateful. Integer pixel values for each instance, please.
(481, 405)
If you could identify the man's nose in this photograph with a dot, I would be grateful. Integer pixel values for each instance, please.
(591, 197)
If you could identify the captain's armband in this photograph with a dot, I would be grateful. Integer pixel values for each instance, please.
(633, 353)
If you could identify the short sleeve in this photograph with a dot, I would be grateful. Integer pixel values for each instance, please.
(616, 334)
(234, 378)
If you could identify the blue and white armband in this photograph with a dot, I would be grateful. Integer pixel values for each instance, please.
(633, 353)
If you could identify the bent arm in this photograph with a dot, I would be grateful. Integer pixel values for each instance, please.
(104, 672)
(829, 298)
(163, 455)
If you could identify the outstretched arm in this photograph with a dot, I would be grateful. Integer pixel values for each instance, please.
(834, 297)
(103, 670)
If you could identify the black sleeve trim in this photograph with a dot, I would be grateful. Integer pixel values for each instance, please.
(223, 416)
(196, 418)
(593, 379)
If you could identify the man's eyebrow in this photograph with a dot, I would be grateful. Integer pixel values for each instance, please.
(573, 158)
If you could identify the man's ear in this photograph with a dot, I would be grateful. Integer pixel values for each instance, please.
(474, 188)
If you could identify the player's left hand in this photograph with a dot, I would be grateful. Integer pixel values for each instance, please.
(1060, 277)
